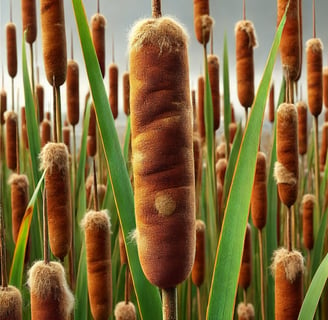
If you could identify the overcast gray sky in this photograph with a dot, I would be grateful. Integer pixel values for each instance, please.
(121, 14)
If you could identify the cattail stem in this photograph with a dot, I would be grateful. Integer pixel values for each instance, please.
(95, 185)
(12, 95)
(45, 229)
(169, 297)
(4, 282)
(262, 274)
(313, 16)
(289, 229)
(246, 116)
(156, 9)
(58, 111)
(244, 10)
(245, 296)
(316, 161)
(32, 81)
(127, 284)
(199, 304)
(54, 111)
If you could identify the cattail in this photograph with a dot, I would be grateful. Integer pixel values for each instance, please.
(259, 196)
(325, 86)
(233, 117)
(19, 200)
(54, 159)
(126, 93)
(123, 256)
(202, 21)
(245, 311)
(288, 269)
(200, 113)
(10, 303)
(219, 191)
(245, 272)
(45, 128)
(96, 226)
(302, 127)
(24, 128)
(11, 49)
(197, 147)
(51, 298)
(314, 49)
(3, 105)
(198, 269)
(98, 24)
(290, 44)
(54, 41)
(220, 151)
(125, 311)
(323, 149)
(161, 111)
(92, 139)
(67, 137)
(232, 131)
(11, 139)
(73, 93)
(308, 204)
(271, 104)
(286, 167)
(113, 89)
(245, 42)
(29, 20)
(194, 110)
(221, 168)
(213, 72)
(40, 101)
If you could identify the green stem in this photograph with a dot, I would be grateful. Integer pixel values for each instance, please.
(262, 274)
(316, 163)
(58, 112)
(169, 298)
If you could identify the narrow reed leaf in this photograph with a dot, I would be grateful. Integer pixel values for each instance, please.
(17, 266)
(148, 296)
(313, 294)
(226, 92)
(229, 253)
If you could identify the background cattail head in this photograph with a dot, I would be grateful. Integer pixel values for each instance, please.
(259, 195)
(302, 127)
(125, 311)
(245, 273)
(126, 93)
(232, 131)
(10, 303)
(3, 105)
(308, 204)
(113, 89)
(29, 20)
(271, 104)
(123, 256)
(45, 128)
(202, 21)
(24, 128)
(73, 93)
(198, 157)
(200, 105)
(11, 49)
(198, 269)
(50, 294)
(96, 226)
(11, 139)
(220, 168)
(325, 86)
(220, 151)
(314, 48)
(286, 167)
(67, 137)
(54, 158)
(19, 200)
(40, 100)
(213, 72)
(288, 267)
(245, 42)
(54, 41)
(98, 24)
(323, 147)
(245, 311)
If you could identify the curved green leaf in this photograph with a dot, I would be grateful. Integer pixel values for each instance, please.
(228, 258)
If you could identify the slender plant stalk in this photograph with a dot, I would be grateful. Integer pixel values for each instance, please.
(58, 111)
(156, 8)
(96, 206)
(45, 229)
(199, 304)
(127, 284)
(316, 163)
(169, 298)
(289, 229)
(262, 274)
(4, 280)
(12, 94)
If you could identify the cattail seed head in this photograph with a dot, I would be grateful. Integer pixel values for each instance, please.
(113, 89)
(11, 139)
(10, 303)
(245, 272)
(220, 168)
(11, 49)
(202, 21)
(51, 298)
(259, 195)
(220, 151)
(198, 156)
(98, 24)
(308, 204)
(54, 159)
(67, 137)
(200, 104)
(245, 311)
(286, 167)
(232, 131)
(271, 104)
(125, 311)
(288, 267)
(323, 147)
(73, 93)
(245, 42)
(54, 41)
(314, 49)
(302, 127)
(213, 72)
(96, 226)
(40, 101)
(3, 105)
(126, 93)
(45, 128)
(325, 86)
(29, 20)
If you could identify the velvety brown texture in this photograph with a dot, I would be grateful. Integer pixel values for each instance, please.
(220, 168)
(11, 139)
(314, 75)
(98, 24)
(308, 204)
(126, 93)
(91, 146)
(10, 303)
(245, 42)
(3, 105)
(40, 100)
(113, 89)
(213, 72)
(201, 12)
(162, 155)
(302, 127)
(232, 131)
(54, 41)
(67, 137)
(29, 20)
(323, 147)
(73, 93)
(45, 132)
(198, 269)
(245, 273)
(290, 44)
(259, 195)
(272, 106)
(325, 86)
(11, 49)
(200, 106)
